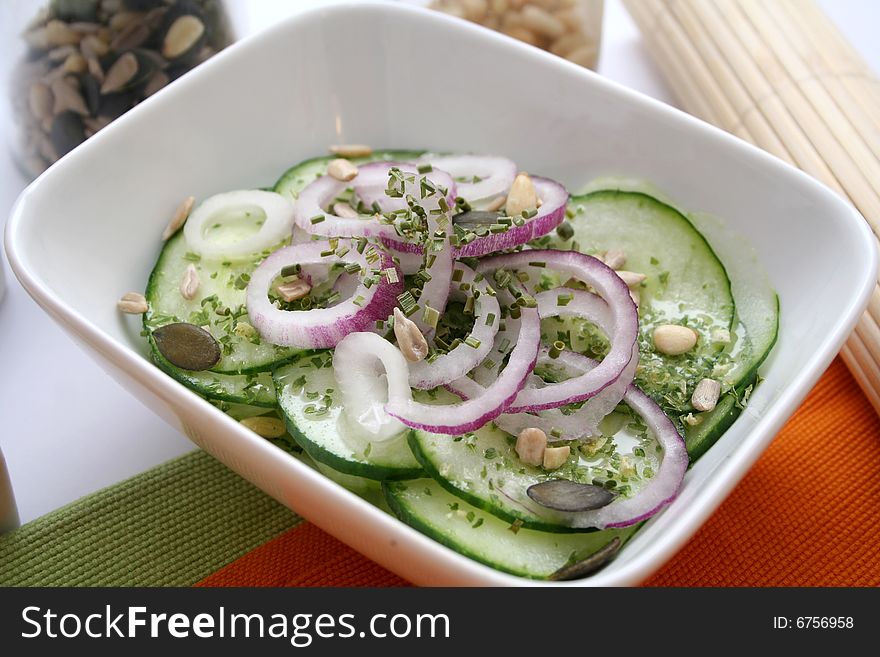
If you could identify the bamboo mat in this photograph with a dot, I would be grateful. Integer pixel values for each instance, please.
(780, 75)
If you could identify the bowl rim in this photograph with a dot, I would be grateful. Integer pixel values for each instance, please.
(713, 491)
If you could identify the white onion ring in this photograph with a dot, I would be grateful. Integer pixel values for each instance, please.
(472, 414)
(497, 174)
(321, 328)
(364, 387)
(372, 181)
(461, 360)
(319, 194)
(624, 317)
(277, 210)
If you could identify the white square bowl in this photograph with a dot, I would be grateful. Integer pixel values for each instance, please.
(389, 75)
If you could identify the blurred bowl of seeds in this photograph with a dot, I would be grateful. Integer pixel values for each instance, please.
(84, 63)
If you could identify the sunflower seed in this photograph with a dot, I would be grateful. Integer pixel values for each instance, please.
(410, 341)
(123, 19)
(120, 74)
(267, 427)
(615, 258)
(674, 340)
(351, 150)
(59, 34)
(93, 46)
(497, 204)
(178, 218)
(133, 36)
(293, 290)
(530, 446)
(571, 496)
(344, 210)
(631, 278)
(183, 35)
(542, 22)
(133, 303)
(555, 457)
(189, 285)
(522, 196)
(589, 565)
(341, 169)
(75, 63)
(57, 55)
(187, 346)
(706, 394)
(67, 97)
(37, 39)
(95, 70)
(40, 100)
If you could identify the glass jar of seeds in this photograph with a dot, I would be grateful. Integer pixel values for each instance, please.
(568, 28)
(86, 62)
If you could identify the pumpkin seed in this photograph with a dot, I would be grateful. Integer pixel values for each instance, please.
(476, 219)
(187, 346)
(133, 36)
(67, 132)
(565, 495)
(589, 565)
(75, 10)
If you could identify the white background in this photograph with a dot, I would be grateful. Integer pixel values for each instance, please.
(66, 428)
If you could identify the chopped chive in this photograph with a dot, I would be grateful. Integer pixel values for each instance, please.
(469, 306)
(472, 342)
(391, 275)
(431, 316)
(556, 349)
(352, 268)
(564, 299)
(291, 270)
(324, 254)
(537, 264)
(457, 275)
(318, 218)
(490, 319)
(565, 231)
(425, 168)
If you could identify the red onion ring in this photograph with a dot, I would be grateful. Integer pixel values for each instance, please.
(554, 199)
(663, 487)
(624, 319)
(322, 328)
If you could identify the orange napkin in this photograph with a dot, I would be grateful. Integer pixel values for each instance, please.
(807, 514)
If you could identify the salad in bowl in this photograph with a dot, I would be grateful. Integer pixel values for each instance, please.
(522, 373)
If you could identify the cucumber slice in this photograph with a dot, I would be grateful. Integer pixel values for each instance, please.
(222, 288)
(298, 176)
(424, 505)
(309, 400)
(252, 389)
(686, 284)
(483, 468)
